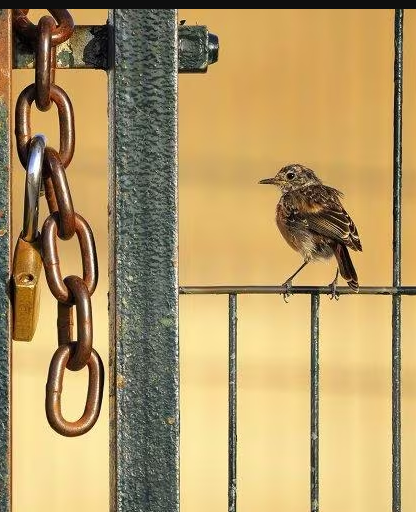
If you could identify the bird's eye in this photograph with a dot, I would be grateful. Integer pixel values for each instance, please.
(290, 175)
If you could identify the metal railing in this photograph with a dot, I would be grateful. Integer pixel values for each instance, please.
(396, 291)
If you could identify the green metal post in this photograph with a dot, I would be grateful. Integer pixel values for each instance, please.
(144, 366)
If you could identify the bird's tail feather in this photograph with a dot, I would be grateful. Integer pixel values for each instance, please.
(346, 266)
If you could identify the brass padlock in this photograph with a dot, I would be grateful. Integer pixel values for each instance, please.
(27, 268)
(27, 260)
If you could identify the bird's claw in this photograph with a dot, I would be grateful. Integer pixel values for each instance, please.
(333, 287)
(287, 293)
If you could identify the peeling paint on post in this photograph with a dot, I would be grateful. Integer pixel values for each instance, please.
(144, 363)
(5, 164)
(87, 48)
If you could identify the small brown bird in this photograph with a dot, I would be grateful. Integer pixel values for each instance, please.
(313, 222)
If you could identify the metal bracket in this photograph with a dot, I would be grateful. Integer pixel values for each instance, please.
(88, 49)
(197, 49)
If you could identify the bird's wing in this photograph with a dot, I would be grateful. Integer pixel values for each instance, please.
(327, 217)
(336, 225)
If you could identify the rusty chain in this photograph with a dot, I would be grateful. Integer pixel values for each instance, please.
(63, 222)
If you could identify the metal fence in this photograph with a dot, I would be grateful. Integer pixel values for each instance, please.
(396, 291)
(143, 240)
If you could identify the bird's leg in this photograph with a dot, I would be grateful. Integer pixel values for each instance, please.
(333, 286)
(288, 282)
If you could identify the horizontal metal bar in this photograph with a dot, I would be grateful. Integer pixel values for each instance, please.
(88, 49)
(297, 290)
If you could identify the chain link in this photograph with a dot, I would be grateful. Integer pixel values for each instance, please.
(63, 222)
(45, 59)
(66, 123)
(51, 260)
(62, 31)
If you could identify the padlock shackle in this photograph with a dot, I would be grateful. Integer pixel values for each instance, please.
(32, 187)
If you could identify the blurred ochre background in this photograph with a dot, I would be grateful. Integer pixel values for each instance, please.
(308, 85)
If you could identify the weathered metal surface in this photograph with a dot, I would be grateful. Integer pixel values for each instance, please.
(314, 432)
(144, 365)
(397, 257)
(232, 402)
(197, 48)
(88, 48)
(5, 223)
(302, 290)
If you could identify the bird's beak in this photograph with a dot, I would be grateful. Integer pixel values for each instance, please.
(268, 181)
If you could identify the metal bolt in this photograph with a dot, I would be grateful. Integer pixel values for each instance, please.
(213, 48)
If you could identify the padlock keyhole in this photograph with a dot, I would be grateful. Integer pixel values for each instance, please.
(26, 278)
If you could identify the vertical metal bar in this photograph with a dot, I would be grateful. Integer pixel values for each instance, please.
(396, 299)
(144, 363)
(232, 402)
(5, 233)
(314, 486)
